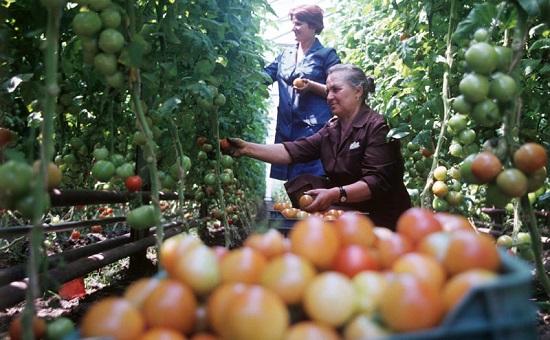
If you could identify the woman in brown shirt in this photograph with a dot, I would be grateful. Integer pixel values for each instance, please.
(364, 169)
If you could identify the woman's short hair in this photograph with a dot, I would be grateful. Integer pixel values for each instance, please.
(311, 14)
(355, 77)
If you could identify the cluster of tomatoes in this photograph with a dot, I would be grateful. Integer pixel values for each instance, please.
(487, 90)
(17, 183)
(527, 173)
(288, 211)
(97, 27)
(446, 188)
(343, 279)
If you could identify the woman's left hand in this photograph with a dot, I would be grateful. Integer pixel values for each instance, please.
(304, 86)
(322, 200)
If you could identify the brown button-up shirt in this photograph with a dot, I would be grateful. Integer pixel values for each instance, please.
(365, 154)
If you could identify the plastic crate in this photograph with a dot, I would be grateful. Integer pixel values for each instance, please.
(499, 311)
(278, 221)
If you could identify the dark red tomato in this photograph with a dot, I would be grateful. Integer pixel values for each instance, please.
(133, 183)
(75, 235)
(224, 144)
(353, 258)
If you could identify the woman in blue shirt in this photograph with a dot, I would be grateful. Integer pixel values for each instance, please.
(303, 109)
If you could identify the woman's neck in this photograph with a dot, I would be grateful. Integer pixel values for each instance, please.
(304, 46)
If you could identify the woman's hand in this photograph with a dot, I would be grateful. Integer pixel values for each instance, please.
(301, 85)
(322, 199)
(234, 147)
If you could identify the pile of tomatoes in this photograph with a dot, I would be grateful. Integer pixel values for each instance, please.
(327, 280)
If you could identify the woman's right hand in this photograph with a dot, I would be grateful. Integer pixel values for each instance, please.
(234, 146)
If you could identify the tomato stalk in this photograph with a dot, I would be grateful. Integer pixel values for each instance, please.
(181, 173)
(229, 229)
(150, 145)
(446, 95)
(511, 131)
(47, 151)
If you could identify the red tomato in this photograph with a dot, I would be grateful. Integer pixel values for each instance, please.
(133, 183)
(353, 258)
(75, 235)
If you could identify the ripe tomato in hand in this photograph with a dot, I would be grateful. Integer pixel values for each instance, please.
(133, 183)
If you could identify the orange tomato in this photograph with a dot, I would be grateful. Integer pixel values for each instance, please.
(486, 166)
(368, 286)
(173, 247)
(353, 258)
(415, 223)
(390, 247)
(316, 240)
(365, 326)
(242, 265)
(270, 243)
(467, 250)
(171, 304)
(289, 212)
(355, 228)
(158, 333)
(451, 222)
(305, 200)
(435, 245)
(457, 287)
(15, 328)
(423, 266)
(198, 268)
(410, 304)
(140, 290)
(530, 157)
(257, 313)
(219, 301)
(330, 298)
(310, 330)
(112, 317)
(288, 275)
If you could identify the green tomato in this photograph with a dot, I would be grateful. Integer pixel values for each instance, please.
(26, 204)
(202, 155)
(111, 40)
(486, 113)
(103, 170)
(512, 182)
(481, 34)
(87, 23)
(105, 63)
(227, 161)
(495, 197)
(186, 163)
(101, 153)
(142, 217)
(440, 204)
(505, 56)
(458, 122)
(110, 17)
(211, 179)
(15, 178)
(115, 80)
(505, 241)
(474, 87)
(455, 149)
(59, 328)
(502, 87)
(481, 58)
(219, 100)
(467, 136)
(125, 170)
(454, 198)
(117, 159)
(226, 178)
(536, 180)
(440, 173)
(98, 5)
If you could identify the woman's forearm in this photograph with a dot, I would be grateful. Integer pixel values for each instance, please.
(271, 153)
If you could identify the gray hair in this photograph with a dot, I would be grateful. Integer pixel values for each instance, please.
(355, 77)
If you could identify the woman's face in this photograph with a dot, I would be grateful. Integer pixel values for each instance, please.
(302, 31)
(341, 97)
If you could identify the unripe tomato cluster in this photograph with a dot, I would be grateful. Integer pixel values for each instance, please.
(447, 188)
(526, 175)
(487, 90)
(18, 183)
(345, 279)
(97, 27)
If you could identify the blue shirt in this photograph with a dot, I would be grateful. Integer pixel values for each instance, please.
(300, 115)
